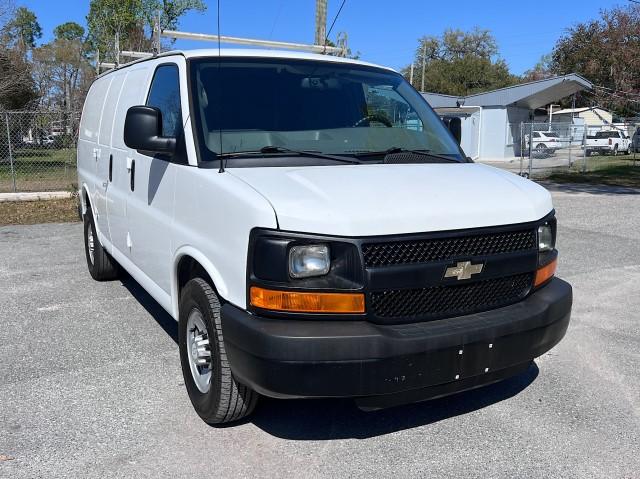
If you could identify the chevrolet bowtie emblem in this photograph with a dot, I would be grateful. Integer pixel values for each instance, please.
(463, 270)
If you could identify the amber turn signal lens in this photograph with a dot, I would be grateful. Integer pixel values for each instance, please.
(545, 273)
(295, 301)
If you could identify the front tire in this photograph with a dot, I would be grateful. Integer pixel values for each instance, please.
(215, 394)
(102, 267)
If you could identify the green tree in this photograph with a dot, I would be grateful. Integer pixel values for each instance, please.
(69, 31)
(22, 31)
(59, 68)
(460, 63)
(132, 22)
(606, 51)
(17, 89)
(541, 70)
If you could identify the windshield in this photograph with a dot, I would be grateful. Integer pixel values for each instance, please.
(247, 104)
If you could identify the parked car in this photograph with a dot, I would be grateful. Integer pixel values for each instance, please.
(635, 141)
(545, 142)
(307, 244)
(48, 140)
(608, 142)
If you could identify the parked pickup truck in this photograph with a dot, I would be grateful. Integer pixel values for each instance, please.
(315, 230)
(607, 142)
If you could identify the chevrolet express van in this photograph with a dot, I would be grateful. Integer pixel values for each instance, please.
(315, 230)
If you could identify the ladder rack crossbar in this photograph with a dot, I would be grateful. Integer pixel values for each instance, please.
(251, 41)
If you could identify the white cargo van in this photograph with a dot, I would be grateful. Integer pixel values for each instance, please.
(315, 230)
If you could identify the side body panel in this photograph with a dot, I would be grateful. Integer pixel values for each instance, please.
(105, 162)
(150, 205)
(132, 93)
(89, 150)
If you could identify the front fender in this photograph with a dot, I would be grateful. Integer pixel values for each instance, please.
(219, 283)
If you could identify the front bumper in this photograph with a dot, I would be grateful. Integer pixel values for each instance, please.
(290, 358)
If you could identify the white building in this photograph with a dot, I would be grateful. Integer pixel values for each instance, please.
(491, 121)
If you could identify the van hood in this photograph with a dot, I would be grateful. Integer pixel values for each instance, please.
(367, 200)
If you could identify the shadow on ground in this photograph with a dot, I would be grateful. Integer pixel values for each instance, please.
(594, 189)
(157, 312)
(321, 419)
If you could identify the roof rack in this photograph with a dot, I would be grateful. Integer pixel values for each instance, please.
(158, 33)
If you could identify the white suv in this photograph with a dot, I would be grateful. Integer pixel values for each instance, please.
(315, 230)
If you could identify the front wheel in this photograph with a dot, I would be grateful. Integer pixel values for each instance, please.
(215, 394)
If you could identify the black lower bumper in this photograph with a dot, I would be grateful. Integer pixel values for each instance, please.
(292, 358)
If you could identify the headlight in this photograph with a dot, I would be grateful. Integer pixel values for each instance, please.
(545, 238)
(306, 261)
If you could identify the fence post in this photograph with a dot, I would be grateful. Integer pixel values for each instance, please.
(522, 147)
(570, 144)
(530, 149)
(13, 171)
(585, 134)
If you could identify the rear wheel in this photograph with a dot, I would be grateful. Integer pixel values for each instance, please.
(615, 150)
(541, 149)
(102, 267)
(215, 394)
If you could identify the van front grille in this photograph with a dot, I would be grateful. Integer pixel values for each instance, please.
(447, 300)
(442, 249)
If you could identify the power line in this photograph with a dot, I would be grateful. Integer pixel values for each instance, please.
(275, 21)
(334, 21)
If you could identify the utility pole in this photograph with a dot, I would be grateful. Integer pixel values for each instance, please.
(424, 57)
(117, 49)
(411, 75)
(157, 31)
(321, 22)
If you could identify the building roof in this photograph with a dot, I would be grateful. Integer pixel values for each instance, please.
(579, 110)
(529, 95)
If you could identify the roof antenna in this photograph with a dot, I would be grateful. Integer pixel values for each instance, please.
(221, 170)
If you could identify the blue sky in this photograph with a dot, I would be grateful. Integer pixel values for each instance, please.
(383, 31)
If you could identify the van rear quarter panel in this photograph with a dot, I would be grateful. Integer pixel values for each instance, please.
(88, 136)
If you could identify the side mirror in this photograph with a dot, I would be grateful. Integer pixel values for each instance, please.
(143, 131)
(454, 124)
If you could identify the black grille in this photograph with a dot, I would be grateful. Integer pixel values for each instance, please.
(440, 249)
(443, 301)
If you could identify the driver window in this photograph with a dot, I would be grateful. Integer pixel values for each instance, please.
(165, 95)
(385, 107)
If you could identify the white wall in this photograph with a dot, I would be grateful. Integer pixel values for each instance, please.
(493, 133)
(515, 116)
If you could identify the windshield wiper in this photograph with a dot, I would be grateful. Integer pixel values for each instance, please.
(397, 149)
(270, 149)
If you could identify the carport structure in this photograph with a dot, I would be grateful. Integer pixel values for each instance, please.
(491, 120)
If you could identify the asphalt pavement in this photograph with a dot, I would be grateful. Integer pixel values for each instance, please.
(90, 380)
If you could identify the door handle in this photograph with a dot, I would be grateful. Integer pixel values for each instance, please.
(132, 176)
(110, 168)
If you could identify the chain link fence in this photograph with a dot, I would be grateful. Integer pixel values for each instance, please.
(547, 148)
(38, 150)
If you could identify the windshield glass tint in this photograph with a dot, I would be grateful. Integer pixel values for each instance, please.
(341, 109)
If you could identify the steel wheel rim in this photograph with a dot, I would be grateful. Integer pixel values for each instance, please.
(199, 351)
(90, 244)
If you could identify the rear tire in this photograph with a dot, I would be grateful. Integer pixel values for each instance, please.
(615, 150)
(102, 267)
(215, 394)
(540, 149)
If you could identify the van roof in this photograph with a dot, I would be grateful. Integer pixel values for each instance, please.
(253, 52)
